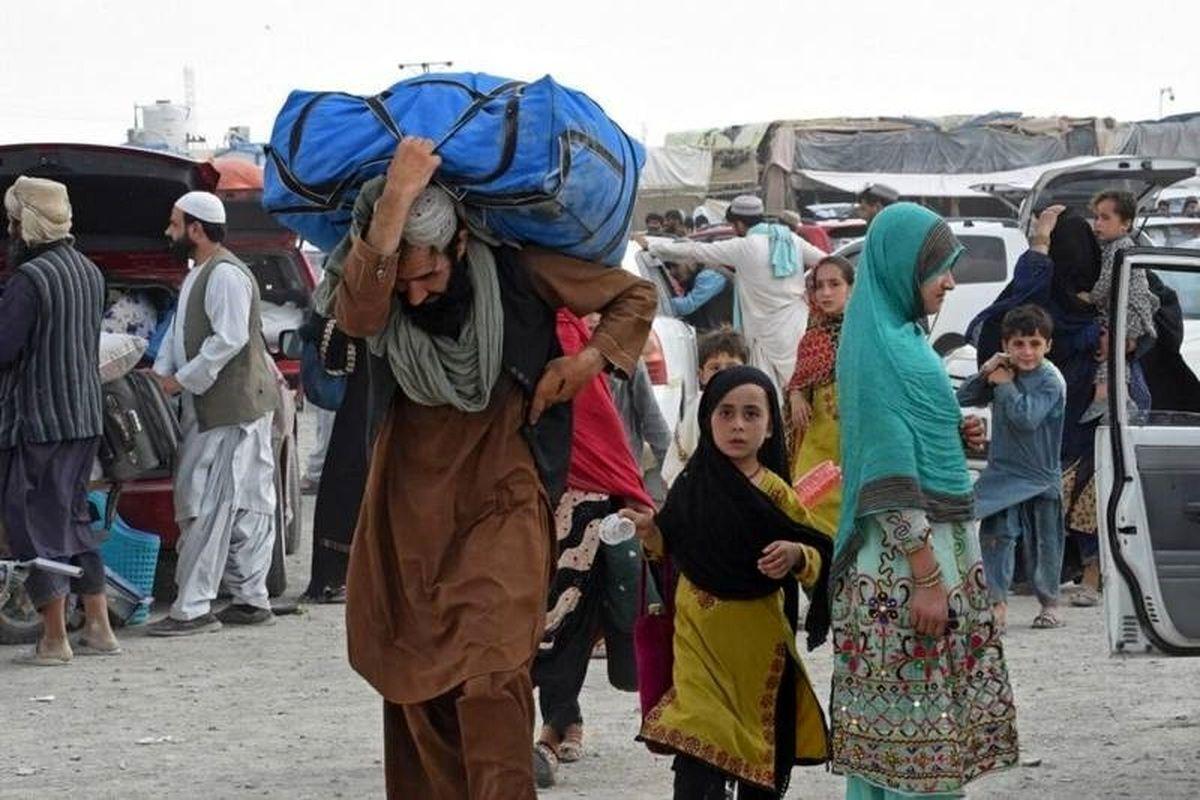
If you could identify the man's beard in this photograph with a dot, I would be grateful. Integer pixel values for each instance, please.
(446, 314)
(180, 249)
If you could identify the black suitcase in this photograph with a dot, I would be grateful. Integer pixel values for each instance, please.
(141, 429)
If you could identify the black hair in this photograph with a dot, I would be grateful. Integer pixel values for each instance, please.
(215, 231)
(1124, 203)
(652, 216)
(722, 340)
(748, 221)
(868, 196)
(1027, 320)
(673, 214)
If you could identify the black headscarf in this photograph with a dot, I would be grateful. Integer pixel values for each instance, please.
(1076, 256)
(716, 522)
(1074, 267)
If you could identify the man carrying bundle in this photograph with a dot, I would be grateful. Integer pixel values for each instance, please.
(454, 547)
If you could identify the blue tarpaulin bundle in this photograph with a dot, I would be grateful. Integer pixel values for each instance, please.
(533, 163)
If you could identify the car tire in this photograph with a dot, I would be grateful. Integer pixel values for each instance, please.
(19, 621)
(277, 575)
(165, 589)
(291, 500)
(948, 343)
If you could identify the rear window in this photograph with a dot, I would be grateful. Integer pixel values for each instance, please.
(279, 281)
(1187, 286)
(985, 260)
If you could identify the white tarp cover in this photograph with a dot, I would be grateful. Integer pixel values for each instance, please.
(671, 169)
(932, 185)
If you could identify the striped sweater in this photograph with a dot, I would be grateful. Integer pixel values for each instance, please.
(52, 394)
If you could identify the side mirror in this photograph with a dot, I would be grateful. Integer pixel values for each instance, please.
(290, 344)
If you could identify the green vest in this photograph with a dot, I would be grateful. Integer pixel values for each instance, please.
(245, 388)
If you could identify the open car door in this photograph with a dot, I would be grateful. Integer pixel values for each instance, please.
(1148, 494)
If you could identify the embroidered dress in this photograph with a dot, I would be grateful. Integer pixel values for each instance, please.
(912, 713)
(730, 659)
(815, 377)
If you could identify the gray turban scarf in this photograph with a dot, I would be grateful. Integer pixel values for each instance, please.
(432, 370)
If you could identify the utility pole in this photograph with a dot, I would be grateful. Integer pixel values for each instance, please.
(425, 65)
(1165, 92)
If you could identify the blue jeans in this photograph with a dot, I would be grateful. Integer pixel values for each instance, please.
(1037, 524)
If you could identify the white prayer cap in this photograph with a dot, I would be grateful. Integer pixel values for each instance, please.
(746, 205)
(204, 206)
(432, 220)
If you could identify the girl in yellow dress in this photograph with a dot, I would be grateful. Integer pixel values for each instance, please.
(812, 392)
(741, 708)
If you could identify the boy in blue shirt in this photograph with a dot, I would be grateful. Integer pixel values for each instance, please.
(1019, 495)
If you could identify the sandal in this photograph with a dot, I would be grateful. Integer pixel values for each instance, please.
(570, 749)
(35, 658)
(1047, 619)
(1086, 597)
(84, 648)
(1000, 618)
(545, 765)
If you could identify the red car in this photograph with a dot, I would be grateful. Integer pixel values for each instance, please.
(121, 199)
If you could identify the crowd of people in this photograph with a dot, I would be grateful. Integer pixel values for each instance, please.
(498, 423)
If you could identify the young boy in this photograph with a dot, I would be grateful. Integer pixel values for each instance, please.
(719, 350)
(1019, 495)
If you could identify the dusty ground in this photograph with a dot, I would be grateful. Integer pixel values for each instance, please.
(277, 713)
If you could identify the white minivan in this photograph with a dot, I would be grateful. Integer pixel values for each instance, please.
(1148, 491)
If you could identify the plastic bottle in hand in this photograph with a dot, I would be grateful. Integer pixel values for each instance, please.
(615, 529)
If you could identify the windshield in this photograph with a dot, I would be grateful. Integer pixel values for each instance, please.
(1187, 286)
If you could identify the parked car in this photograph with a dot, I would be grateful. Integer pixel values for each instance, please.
(1170, 231)
(121, 199)
(670, 351)
(1075, 186)
(1148, 494)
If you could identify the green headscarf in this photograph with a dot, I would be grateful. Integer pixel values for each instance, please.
(901, 446)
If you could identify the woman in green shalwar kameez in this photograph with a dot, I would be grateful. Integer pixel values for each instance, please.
(921, 700)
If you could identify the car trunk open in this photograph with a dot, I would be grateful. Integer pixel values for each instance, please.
(121, 197)
(1074, 187)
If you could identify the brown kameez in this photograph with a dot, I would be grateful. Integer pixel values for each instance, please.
(452, 555)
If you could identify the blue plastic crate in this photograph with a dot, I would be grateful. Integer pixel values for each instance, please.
(130, 553)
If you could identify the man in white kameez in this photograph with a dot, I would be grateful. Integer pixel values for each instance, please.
(224, 488)
(769, 263)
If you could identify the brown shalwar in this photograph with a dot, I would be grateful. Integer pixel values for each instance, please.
(453, 552)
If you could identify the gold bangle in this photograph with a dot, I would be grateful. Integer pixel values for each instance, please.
(930, 580)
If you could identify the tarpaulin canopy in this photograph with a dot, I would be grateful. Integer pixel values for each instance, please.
(670, 170)
(968, 184)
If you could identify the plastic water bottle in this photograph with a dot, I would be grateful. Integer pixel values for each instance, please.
(818, 482)
(615, 529)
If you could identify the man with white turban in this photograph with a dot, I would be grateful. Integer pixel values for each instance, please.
(451, 560)
(214, 355)
(50, 414)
